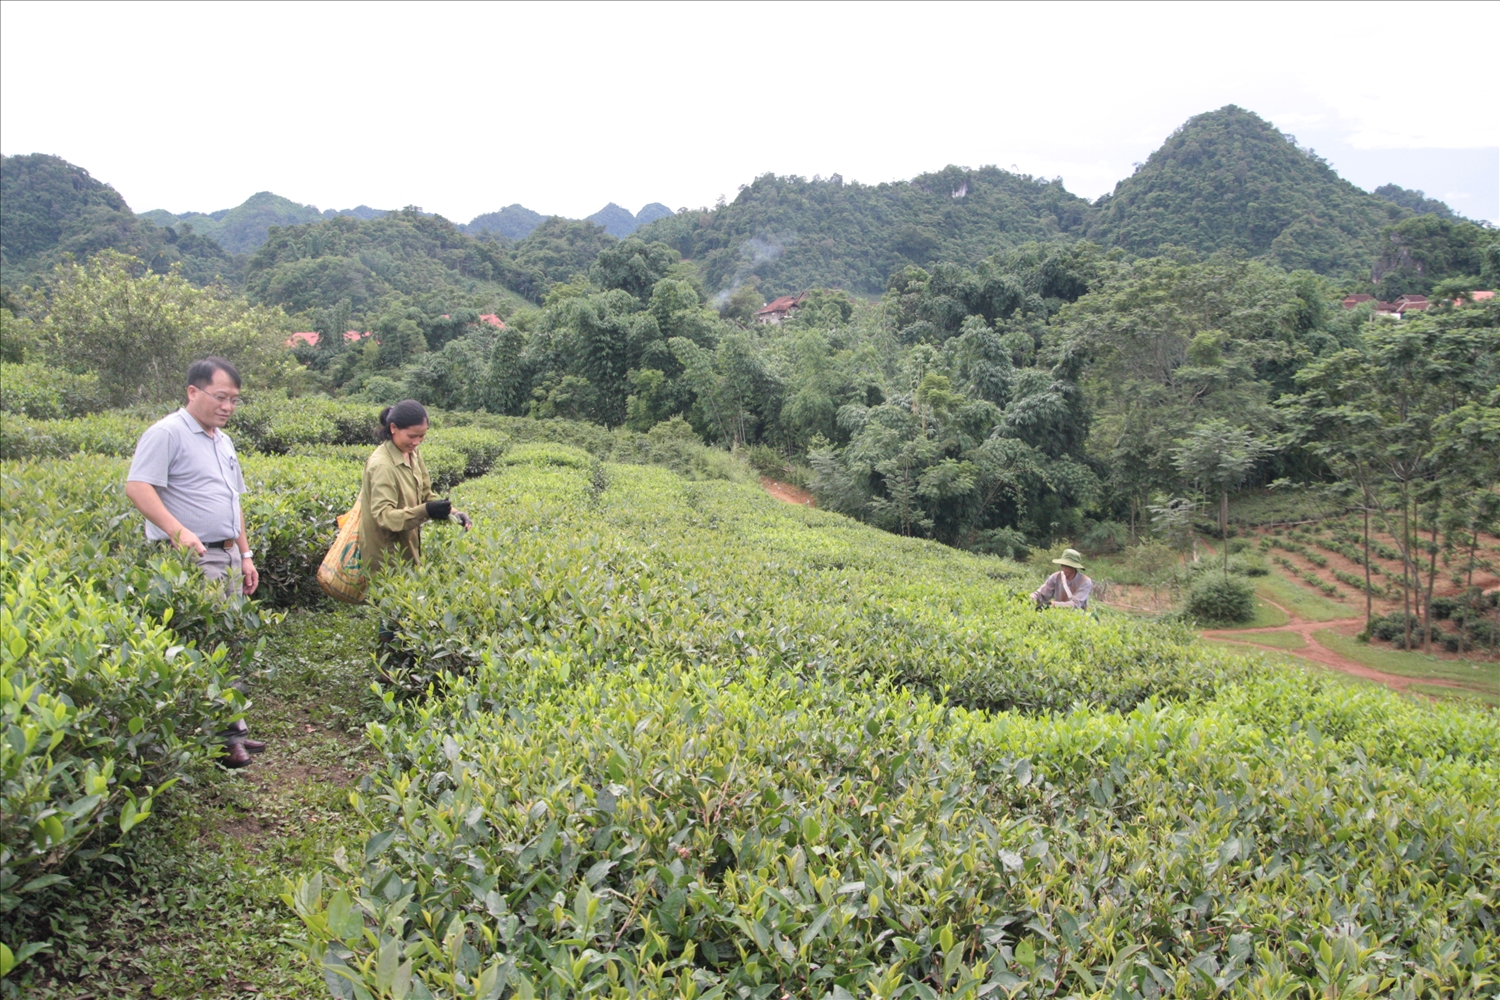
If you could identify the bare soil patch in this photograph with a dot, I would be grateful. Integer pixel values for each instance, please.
(786, 492)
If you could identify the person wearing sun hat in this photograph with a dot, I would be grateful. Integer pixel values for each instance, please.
(1068, 587)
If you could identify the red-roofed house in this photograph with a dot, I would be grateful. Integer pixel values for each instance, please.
(1472, 297)
(780, 309)
(1350, 301)
(310, 337)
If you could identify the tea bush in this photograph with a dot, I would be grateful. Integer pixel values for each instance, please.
(116, 659)
(729, 572)
(44, 393)
(291, 508)
(674, 739)
(674, 445)
(276, 424)
(479, 447)
(110, 433)
(1220, 599)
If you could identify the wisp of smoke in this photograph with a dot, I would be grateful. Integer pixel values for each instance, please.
(753, 252)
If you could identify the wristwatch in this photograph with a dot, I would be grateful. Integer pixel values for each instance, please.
(248, 554)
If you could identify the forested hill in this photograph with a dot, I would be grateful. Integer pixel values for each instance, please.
(52, 208)
(359, 264)
(1228, 180)
(788, 233)
(243, 228)
(1225, 180)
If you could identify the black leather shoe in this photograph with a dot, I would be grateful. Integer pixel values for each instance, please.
(235, 755)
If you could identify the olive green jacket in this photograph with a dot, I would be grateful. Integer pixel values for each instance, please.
(393, 498)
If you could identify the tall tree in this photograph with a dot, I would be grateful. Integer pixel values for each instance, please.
(1219, 455)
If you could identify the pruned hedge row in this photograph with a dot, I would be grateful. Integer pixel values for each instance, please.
(46, 393)
(322, 427)
(678, 740)
(729, 576)
(116, 659)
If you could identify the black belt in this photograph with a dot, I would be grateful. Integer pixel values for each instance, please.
(226, 543)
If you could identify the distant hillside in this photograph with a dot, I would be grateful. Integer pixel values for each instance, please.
(243, 228)
(790, 233)
(362, 263)
(514, 222)
(50, 208)
(1417, 201)
(619, 223)
(1228, 180)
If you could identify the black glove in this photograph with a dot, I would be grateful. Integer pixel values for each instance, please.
(439, 510)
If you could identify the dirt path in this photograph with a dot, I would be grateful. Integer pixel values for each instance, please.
(787, 493)
(1320, 654)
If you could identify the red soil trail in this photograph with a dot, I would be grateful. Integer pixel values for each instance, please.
(787, 493)
(1320, 654)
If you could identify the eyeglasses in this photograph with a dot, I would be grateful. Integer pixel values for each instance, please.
(230, 401)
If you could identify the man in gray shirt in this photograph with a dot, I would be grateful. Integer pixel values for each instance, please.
(186, 481)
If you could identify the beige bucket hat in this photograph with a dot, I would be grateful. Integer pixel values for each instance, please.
(1071, 557)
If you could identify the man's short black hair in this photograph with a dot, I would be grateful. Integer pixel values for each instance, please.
(201, 373)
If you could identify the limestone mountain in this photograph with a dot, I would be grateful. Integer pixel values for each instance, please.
(514, 222)
(50, 208)
(1229, 180)
(789, 233)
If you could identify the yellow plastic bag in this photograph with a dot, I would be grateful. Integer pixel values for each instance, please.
(341, 574)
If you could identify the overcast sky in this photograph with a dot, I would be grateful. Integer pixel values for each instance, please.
(465, 108)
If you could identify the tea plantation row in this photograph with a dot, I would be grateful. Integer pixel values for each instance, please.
(657, 738)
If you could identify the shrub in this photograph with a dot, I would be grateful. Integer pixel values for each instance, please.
(1150, 562)
(445, 466)
(1249, 564)
(111, 433)
(479, 446)
(275, 424)
(548, 454)
(45, 393)
(1105, 537)
(1221, 600)
(763, 459)
(684, 741)
(115, 664)
(672, 444)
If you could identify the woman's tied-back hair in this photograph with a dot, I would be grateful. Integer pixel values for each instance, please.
(407, 413)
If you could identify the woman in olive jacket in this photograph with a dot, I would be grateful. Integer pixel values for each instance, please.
(396, 496)
(395, 500)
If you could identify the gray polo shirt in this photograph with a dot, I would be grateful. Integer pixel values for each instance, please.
(197, 476)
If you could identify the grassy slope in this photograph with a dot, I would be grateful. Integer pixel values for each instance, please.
(1478, 676)
(1302, 602)
(1281, 640)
